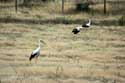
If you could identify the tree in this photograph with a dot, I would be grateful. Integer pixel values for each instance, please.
(26, 2)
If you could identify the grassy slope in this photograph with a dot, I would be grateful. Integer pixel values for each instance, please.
(96, 55)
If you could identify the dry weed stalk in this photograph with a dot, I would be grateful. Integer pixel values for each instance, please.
(59, 70)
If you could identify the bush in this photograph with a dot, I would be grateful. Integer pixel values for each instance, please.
(82, 7)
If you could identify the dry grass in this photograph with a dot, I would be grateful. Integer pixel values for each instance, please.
(50, 13)
(95, 55)
(87, 57)
(100, 8)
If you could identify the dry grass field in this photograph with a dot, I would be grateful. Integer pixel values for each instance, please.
(95, 55)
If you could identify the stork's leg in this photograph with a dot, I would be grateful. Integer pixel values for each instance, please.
(36, 59)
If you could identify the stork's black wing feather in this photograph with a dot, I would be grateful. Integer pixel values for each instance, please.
(32, 56)
(75, 31)
(85, 26)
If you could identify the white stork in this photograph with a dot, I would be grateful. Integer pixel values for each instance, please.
(77, 29)
(36, 52)
(88, 24)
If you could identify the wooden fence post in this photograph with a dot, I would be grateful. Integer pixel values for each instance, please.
(16, 6)
(62, 6)
(105, 11)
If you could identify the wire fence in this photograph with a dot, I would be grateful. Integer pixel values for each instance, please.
(97, 6)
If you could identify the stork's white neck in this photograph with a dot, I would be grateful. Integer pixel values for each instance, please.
(39, 43)
(89, 23)
(79, 27)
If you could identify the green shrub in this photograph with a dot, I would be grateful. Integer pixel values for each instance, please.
(82, 7)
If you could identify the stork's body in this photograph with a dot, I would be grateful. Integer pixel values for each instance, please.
(77, 29)
(36, 52)
(87, 25)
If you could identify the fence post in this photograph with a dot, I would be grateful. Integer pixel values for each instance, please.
(62, 6)
(105, 11)
(16, 6)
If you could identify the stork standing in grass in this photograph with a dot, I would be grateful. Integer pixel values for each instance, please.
(88, 24)
(36, 52)
(77, 29)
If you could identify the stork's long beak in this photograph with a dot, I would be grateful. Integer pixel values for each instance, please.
(42, 41)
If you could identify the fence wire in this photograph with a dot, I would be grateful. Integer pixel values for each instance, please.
(113, 6)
